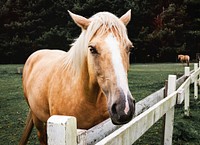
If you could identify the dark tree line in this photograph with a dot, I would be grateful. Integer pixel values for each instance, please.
(159, 29)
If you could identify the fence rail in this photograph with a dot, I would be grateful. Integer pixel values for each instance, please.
(148, 111)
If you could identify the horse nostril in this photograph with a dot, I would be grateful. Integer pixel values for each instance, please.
(113, 108)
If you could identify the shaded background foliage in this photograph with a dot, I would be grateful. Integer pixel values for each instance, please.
(159, 29)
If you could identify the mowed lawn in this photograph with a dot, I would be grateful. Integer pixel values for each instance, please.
(144, 79)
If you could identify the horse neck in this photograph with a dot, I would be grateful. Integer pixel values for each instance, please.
(86, 86)
(92, 92)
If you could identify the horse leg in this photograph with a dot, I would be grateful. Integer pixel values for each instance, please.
(188, 63)
(41, 127)
(27, 129)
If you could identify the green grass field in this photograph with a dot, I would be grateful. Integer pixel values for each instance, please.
(144, 79)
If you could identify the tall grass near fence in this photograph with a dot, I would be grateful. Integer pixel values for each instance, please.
(144, 79)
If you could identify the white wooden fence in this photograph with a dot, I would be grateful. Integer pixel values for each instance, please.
(62, 130)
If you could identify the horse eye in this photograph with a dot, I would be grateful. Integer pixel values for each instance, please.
(93, 50)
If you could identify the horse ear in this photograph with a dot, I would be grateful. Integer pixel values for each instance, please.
(80, 20)
(126, 17)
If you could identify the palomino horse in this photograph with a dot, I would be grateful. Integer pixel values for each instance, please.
(184, 58)
(88, 82)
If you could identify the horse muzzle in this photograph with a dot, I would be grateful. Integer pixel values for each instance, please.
(121, 111)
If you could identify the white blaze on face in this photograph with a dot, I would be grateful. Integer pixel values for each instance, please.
(113, 46)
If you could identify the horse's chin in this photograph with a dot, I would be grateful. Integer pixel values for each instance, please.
(122, 120)
(119, 123)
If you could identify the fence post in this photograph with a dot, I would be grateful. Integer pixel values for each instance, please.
(164, 116)
(187, 94)
(195, 83)
(198, 81)
(169, 119)
(61, 130)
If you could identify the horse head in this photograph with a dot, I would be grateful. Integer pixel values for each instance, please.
(108, 49)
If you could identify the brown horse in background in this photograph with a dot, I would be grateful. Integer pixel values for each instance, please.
(88, 82)
(184, 59)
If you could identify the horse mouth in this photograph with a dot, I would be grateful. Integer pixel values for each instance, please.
(120, 122)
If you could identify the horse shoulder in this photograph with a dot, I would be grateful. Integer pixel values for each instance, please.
(37, 74)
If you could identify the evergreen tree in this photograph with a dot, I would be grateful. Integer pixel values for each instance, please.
(192, 30)
(165, 39)
(157, 27)
(28, 26)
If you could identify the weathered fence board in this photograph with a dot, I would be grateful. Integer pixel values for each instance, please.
(81, 137)
(105, 128)
(130, 132)
(181, 91)
(195, 74)
(101, 130)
